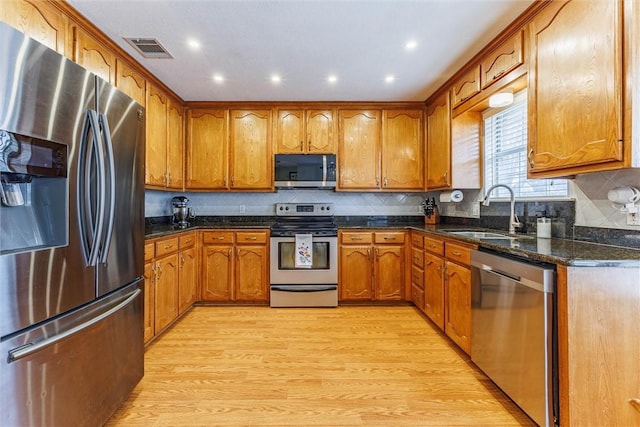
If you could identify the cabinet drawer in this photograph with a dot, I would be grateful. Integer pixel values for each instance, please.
(249, 237)
(149, 251)
(457, 253)
(394, 237)
(502, 60)
(466, 87)
(417, 240)
(434, 245)
(217, 237)
(355, 237)
(417, 277)
(417, 258)
(187, 240)
(417, 297)
(166, 246)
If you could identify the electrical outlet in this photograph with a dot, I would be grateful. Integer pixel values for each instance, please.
(633, 218)
(242, 209)
(420, 209)
(475, 209)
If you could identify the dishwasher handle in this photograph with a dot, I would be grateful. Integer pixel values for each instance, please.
(502, 273)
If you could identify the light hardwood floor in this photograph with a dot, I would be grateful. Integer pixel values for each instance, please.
(348, 366)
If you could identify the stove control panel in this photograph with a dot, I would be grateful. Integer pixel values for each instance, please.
(304, 209)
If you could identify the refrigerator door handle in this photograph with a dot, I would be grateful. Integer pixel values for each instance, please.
(28, 349)
(89, 226)
(110, 186)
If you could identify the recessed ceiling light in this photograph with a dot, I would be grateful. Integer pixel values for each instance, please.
(332, 78)
(193, 44)
(411, 44)
(218, 78)
(390, 78)
(276, 79)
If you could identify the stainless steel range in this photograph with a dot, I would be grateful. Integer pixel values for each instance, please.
(304, 256)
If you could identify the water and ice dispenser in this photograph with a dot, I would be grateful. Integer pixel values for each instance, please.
(33, 193)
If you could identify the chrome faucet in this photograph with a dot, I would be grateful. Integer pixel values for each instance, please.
(513, 219)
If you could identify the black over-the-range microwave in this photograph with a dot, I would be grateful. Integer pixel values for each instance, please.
(305, 170)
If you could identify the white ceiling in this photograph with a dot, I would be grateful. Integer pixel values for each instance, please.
(359, 41)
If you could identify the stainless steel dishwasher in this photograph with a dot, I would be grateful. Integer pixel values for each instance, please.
(512, 334)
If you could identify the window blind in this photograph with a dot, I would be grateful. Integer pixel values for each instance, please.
(505, 155)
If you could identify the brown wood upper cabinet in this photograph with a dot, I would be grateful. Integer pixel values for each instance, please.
(164, 141)
(381, 150)
(402, 150)
(251, 162)
(207, 148)
(502, 60)
(359, 150)
(131, 82)
(300, 131)
(93, 55)
(575, 88)
(438, 175)
(467, 86)
(39, 20)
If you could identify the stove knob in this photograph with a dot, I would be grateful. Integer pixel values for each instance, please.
(322, 208)
(328, 207)
(281, 208)
(287, 208)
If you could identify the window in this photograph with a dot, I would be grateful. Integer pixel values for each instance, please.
(505, 154)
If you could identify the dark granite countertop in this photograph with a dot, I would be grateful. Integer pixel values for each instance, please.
(555, 251)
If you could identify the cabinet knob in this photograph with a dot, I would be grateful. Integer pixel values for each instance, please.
(635, 402)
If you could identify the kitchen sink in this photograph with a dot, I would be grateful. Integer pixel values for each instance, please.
(482, 235)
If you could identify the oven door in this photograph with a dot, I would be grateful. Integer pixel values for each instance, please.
(324, 269)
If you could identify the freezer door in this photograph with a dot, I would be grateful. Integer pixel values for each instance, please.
(43, 95)
(121, 255)
(76, 370)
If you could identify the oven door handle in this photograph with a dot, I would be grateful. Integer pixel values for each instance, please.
(304, 288)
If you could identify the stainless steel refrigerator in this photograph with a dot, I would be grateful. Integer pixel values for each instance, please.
(71, 239)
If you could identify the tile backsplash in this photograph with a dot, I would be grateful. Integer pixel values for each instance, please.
(158, 203)
(590, 209)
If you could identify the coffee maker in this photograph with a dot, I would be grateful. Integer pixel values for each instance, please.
(181, 213)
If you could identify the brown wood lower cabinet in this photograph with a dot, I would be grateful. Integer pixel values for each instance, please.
(171, 281)
(447, 287)
(235, 266)
(376, 265)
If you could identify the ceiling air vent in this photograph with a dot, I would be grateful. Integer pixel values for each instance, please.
(149, 48)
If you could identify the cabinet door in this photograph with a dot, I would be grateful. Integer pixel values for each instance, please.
(188, 279)
(439, 144)
(402, 150)
(217, 272)
(166, 298)
(575, 95)
(149, 301)
(356, 273)
(458, 305)
(40, 21)
(156, 141)
(320, 132)
(207, 150)
(389, 273)
(252, 274)
(251, 158)
(359, 149)
(290, 137)
(175, 146)
(93, 56)
(502, 60)
(466, 87)
(131, 82)
(434, 289)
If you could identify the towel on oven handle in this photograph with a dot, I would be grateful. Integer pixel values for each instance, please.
(304, 251)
